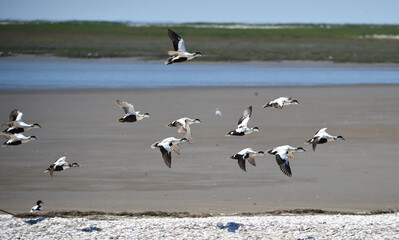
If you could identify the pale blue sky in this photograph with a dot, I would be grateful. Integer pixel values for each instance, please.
(177, 11)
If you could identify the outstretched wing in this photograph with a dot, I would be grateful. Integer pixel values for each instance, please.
(243, 121)
(180, 128)
(284, 165)
(61, 161)
(13, 115)
(241, 163)
(178, 42)
(127, 107)
(167, 157)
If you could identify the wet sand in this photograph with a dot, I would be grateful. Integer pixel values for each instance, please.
(120, 172)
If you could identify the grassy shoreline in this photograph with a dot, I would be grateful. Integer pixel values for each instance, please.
(220, 42)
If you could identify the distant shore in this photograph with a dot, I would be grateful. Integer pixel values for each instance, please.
(325, 64)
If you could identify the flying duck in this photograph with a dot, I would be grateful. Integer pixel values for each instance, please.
(180, 53)
(246, 154)
(131, 115)
(166, 146)
(242, 128)
(183, 127)
(218, 112)
(16, 125)
(283, 153)
(60, 165)
(16, 139)
(280, 102)
(37, 207)
(321, 137)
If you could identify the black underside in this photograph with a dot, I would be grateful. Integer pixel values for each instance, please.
(322, 140)
(130, 118)
(14, 130)
(182, 59)
(14, 143)
(234, 133)
(58, 168)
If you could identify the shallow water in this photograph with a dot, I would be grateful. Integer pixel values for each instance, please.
(83, 74)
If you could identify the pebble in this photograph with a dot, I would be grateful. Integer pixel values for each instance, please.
(384, 226)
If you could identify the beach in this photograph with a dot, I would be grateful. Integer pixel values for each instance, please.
(120, 172)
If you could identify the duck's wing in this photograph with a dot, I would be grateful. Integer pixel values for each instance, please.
(178, 42)
(60, 162)
(6, 135)
(175, 148)
(251, 160)
(180, 128)
(127, 107)
(241, 163)
(284, 164)
(188, 135)
(243, 121)
(290, 155)
(167, 157)
(13, 115)
(320, 131)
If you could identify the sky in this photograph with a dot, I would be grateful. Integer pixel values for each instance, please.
(179, 11)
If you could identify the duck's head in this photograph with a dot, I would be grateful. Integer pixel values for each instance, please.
(270, 151)
(146, 115)
(300, 149)
(261, 153)
(199, 54)
(121, 120)
(340, 138)
(183, 140)
(256, 129)
(75, 165)
(197, 121)
(32, 137)
(36, 125)
(233, 157)
(39, 202)
(294, 102)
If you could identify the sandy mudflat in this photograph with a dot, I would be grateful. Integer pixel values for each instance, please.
(231, 227)
(120, 172)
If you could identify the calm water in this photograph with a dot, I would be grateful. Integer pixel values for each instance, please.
(47, 74)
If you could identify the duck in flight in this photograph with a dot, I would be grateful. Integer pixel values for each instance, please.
(130, 114)
(280, 102)
(180, 53)
(16, 139)
(16, 125)
(37, 207)
(242, 128)
(60, 165)
(283, 153)
(321, 137)
(246, 154)
(183, 127)
(166, 146)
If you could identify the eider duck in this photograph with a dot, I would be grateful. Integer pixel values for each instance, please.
(16, 125)
(37, 207)
(131, 115)
(283, 153)
(16, 139)
(183, 127)
(321, 137)
(246, 154)
(281, 102)
(242, 128)
(166, 146)
(60, 165)
(180, 53)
